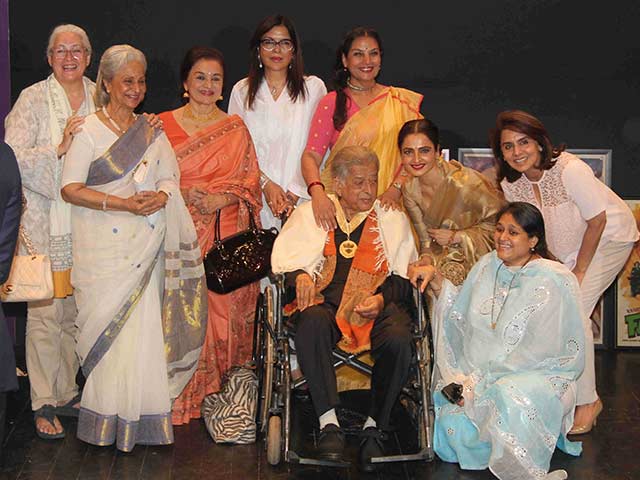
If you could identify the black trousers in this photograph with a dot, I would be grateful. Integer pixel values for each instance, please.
(391, 348)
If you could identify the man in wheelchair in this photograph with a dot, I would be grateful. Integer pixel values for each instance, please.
(350, 289)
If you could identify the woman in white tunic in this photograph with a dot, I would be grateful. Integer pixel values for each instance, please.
(39, 129)
(277, 101)
(137, 269)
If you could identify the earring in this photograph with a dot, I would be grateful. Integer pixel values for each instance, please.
(532, 249)
(539, 148)
(185, 94)
(259, 61)
(290, 65)
(220, 98)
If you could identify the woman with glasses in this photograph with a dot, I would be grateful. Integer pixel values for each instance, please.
(359, 111)
(218, 172)
(276, 101)
(39, 129)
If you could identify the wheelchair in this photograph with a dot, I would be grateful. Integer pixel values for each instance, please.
(273, 348)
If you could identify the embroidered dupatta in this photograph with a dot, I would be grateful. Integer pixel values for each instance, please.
(376, 126)
(60, 212)
(184, 312)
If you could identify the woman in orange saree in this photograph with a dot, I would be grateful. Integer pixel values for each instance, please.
(219, 170)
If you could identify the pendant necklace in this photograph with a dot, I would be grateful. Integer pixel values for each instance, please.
(274, 90)
(494, 322)
(113, 122)
(348, 247)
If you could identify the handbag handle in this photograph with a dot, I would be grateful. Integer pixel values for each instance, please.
(252, 223)
(24, 236)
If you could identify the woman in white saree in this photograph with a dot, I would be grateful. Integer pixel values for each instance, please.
(137, 271)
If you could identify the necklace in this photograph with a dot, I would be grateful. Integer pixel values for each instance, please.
(358, 88)
(197, 118)
(275, 89)
(494, 323)
(348, 247)
(113, 122)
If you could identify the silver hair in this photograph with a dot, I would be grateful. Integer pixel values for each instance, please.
(113, 59)
(352, 156)
(69, 27)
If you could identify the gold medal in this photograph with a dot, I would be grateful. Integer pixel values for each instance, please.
(348, 248)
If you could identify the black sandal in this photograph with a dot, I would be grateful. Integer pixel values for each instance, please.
(48, 413)
(68, 409)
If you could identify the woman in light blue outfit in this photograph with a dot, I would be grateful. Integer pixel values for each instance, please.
(512, 337)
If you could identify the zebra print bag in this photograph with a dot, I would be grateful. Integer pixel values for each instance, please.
(230, 415)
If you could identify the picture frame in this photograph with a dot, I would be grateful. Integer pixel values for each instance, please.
(628, 293)
(482, 160)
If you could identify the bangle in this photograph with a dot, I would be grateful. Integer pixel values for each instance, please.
(453, 234)
(104, 202)
(398, 185)
(313, 184)
(263, 180)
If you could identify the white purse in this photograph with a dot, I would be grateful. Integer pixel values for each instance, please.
(30, 278)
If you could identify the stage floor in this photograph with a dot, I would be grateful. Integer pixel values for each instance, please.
(610, 451)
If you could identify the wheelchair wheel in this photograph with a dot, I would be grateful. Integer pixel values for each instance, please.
(267, 348)
(274, 440)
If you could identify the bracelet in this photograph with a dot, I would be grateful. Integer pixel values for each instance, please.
(263, 180)
(453, 234)
(104, 202)
(313, 184)
(398, 185)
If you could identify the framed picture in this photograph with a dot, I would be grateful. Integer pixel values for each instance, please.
(482, 160)
(628, 293)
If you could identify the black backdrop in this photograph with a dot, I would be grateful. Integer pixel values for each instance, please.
(574, 64)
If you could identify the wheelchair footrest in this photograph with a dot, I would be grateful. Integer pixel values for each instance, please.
(423, 455)
(293, 457)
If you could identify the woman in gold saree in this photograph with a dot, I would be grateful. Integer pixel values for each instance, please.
(218, 170)
(452, 207)
(359, 111)
(137, 270)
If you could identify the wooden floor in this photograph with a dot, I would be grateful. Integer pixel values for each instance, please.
(611, 451)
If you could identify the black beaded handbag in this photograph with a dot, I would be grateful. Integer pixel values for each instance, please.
(239, 259)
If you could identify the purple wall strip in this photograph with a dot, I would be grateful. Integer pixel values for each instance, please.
(5, 82)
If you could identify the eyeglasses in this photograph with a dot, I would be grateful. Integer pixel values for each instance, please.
(269, 44)
(61, 52)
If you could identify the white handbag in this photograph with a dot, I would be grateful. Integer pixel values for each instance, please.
(30, 278)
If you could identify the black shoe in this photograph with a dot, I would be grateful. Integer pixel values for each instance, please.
(371, 445)
(331, 443)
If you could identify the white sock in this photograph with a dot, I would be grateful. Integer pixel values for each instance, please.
(557, 475)
(369, 423)
(328, 417)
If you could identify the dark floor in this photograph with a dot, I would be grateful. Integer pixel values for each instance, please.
(610, 451)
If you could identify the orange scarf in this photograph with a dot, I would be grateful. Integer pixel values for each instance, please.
(368, 271)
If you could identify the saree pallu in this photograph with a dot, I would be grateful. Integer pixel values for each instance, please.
(219, 159)
(141, 297)
(464, 201)
(376, 126)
